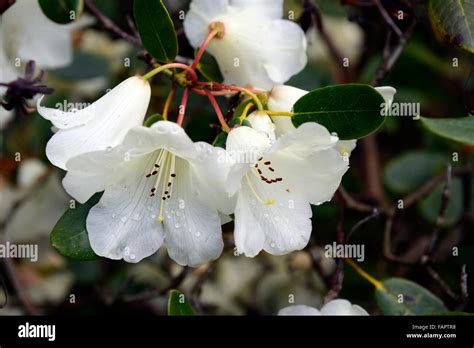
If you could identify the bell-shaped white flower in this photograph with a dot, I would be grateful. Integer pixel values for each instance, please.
(277, 183)
(160, 187)
(334, 307)
(257, 47)
(102, 124)
(29, 35)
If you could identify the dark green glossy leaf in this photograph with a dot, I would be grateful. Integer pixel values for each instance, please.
(409, 171)
(153, 119)
(429, 207)
(457, 129)
(156, 29)
(352, 110)
(62, 11)
(178, 305)
(404, 297)
(69, 236)
(453, 21)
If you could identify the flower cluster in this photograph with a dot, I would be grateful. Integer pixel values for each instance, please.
(159, 187)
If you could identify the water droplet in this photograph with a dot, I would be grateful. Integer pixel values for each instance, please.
(197, 234)
(132, 257)
(153, 216)
(124, 219)
(114, 216)
(177, 225)
(136, 217)
(272, 244)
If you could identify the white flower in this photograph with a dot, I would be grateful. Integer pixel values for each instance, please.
(98, 126)
(334, 307)
(257, 48)
(282, 98)
(29, 35)
(275, 188)
(160, 187)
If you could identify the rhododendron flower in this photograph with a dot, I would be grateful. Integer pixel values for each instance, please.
(255, 47)
(275, 190)
(98, 126)
(334, 307)
(160, 188)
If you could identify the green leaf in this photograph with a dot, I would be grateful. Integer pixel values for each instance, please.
(429, 207)
(156, 29)
(83, 66)
(209, 68)
(454, 21)
(409, 171)
(178, 305)
(404, 297)
(62, 11)
(458, 129)
(69, 236)
(352, 110)
(153, 119)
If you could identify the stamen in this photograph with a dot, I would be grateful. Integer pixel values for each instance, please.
(260, 199)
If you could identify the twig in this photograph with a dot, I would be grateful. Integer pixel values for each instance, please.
(151, 294)
(316, 18)
(375, 214)
(387, 18)
(464, 288)
(354, 204)
(388, 62)
(338, 276)
(436, 277)
(442, 210)
(110, 25)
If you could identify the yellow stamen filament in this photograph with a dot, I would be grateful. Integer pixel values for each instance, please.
(260, 199)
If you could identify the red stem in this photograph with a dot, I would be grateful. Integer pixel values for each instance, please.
(182, 107)
(220, 116)
(206, 41)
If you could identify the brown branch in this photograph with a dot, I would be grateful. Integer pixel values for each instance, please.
(464, 288)
(442, 209)
(151, 294)
(354, 204)
(344, 74)
(338, 276)
(445, 287)
(110, 25)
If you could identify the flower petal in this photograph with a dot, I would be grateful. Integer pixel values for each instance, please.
(342, 307)
(282, 216)
(259, 52)
(123, 224)
(201, 13)
(30, 35)
(192, 227)
(299, 310)
(103, 124)
(315, 177)
(272, 9)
